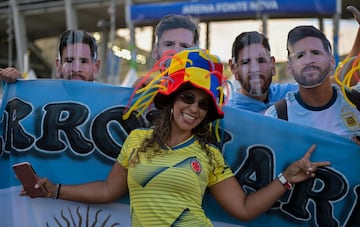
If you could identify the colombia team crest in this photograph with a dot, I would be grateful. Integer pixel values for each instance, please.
(195, 165)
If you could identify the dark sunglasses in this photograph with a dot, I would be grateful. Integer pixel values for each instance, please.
(190, 99)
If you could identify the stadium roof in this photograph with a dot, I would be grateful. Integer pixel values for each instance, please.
(47, 18)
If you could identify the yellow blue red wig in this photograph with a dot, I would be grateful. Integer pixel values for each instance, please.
(191, 67)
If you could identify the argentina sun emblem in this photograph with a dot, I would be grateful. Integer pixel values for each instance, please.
(350, 119)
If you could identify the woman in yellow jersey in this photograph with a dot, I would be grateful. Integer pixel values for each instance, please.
(167, 168)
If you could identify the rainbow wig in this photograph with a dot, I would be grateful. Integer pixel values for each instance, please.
(190, 68)
(345, 72)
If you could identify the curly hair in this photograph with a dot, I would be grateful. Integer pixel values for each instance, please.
(161, 134)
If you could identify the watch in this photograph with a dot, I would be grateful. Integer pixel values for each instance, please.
(285, 182)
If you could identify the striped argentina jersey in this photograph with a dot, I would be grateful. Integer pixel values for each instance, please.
(337, 116)
(167, 190)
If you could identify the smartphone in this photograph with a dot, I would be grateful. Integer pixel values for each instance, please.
(28, 178)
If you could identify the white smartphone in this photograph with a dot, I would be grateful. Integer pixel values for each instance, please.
(28, 178)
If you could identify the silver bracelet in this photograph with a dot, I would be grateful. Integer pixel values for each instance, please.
(56, 192)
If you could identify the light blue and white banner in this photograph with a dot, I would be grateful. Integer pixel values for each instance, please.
(72, 131)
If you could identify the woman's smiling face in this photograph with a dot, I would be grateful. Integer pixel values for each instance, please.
(190, 109)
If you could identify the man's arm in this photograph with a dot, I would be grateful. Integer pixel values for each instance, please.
(355, 50)
(356, 46)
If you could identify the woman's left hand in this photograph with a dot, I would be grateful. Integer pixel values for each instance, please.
(303, 168)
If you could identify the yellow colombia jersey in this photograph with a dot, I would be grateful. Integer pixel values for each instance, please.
(167, 190)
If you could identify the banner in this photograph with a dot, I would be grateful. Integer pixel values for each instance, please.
(233, 9)
(72, 131)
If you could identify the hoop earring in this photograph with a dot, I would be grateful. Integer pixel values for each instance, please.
(171, 113)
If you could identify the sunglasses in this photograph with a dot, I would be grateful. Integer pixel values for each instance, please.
(190, 99)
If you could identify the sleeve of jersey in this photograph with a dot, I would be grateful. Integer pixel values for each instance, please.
(221, 170)
(271, 112)
(127, 147)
